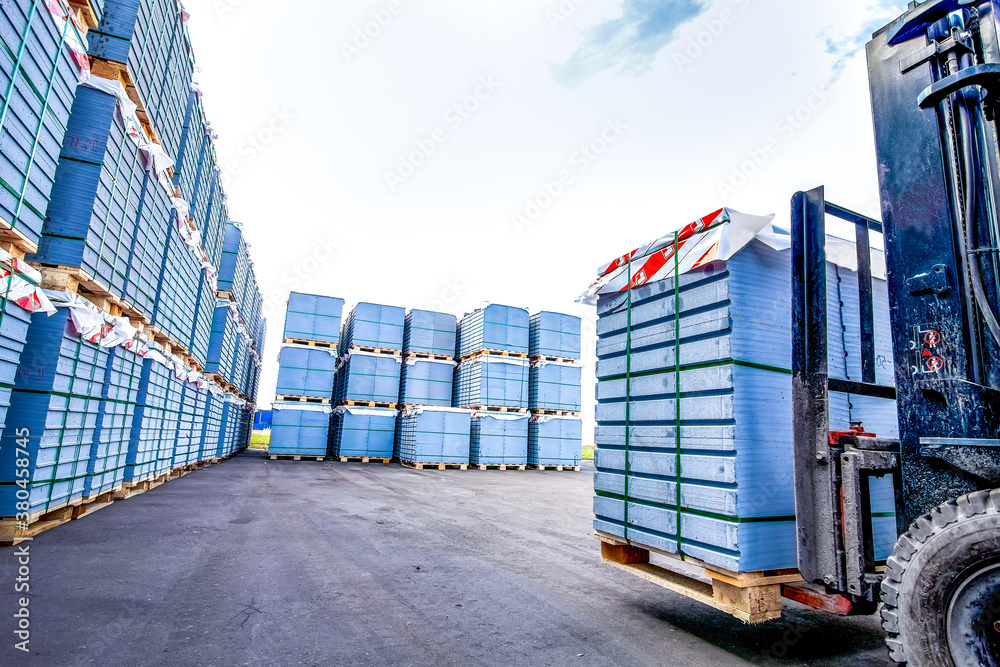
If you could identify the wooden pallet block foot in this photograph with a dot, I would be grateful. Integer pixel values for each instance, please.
(13, 532)
(752, 597)
(295, 457)
(98, 503)
(559, 468)
(438, 466)
(364, 459)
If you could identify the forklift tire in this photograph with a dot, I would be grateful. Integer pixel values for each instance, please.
(941, 591)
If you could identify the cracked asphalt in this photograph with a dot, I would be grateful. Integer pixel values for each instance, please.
(256, 562)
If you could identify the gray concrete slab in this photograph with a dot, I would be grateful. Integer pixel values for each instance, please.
(256, 562)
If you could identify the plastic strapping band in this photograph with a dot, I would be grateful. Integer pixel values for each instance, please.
(628, 397)
(677, 389)
(50, 83)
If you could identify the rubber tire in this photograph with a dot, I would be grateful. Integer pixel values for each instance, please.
(922, 574)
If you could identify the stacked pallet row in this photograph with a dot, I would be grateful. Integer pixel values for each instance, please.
(112, 195)
(429, 431)
(694, 384)
(395, 395)
(366, 389)
(300, 421)
(555, 430)
(492, 379)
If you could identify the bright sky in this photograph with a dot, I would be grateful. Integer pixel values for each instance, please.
(442, 153)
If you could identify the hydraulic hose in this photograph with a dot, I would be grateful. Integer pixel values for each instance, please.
(969, 117)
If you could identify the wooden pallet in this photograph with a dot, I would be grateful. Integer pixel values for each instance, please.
(496, 466)
(495, 353)
(15, 241)
(364, 459)
(368, 404)
(222, 382)
(173, 347)
(107, 69)
(73, 279)
(557, 468)
(181, 471)
(296, 457)
(131, 489)
(562, 360)
(428, 355)
(85, 15)
(753, 597)
(374, 350)
(13, 532)
(311, 343)
(93, 503)
(439, 466)
(556, 413)
(303, 399)
(498, 408)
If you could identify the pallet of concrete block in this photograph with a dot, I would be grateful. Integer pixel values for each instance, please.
(429, 335)
(554, 336)
(426, 381)
(222, 344)
(116, 417)
(371, 327)
(234, 265)
(299, 431)
(306, 374)
(15, 318)
(368, 379)
(154, 426)
(86, 228)
(362, 434)
(555, 387)
(494, 328)
(498, 441)
(43, 59)
(65, 443)
(313, 320)
(708, 390)
(555, 443)
(187, 447)
(488, 381)
(53, 415)
(434, 437)
(212, 429)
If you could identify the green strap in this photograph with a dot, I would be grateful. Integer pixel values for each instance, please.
(21, 49)
(677, 389)
(628, 398)
(41, 121)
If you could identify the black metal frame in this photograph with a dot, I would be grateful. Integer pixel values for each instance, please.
(833, 515)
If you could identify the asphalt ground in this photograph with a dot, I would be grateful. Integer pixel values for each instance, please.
(257, 562)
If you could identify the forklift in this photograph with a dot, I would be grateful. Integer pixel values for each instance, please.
(935, 88)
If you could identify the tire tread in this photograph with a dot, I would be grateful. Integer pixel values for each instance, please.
(908, 546)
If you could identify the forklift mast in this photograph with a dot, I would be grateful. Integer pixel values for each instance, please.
(935, 86)
(935, 82)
